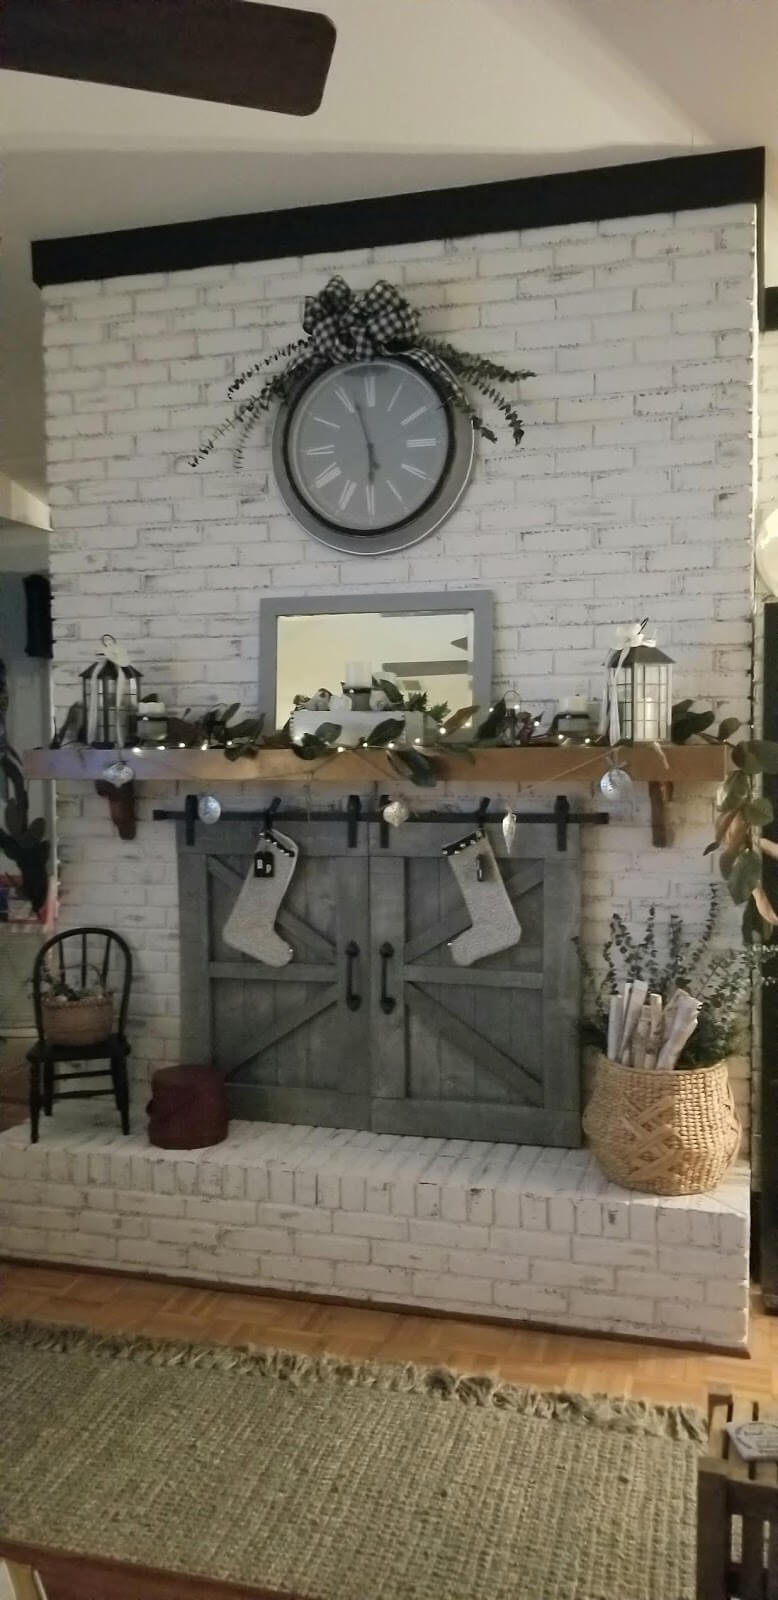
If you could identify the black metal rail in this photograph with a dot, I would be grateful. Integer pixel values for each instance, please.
(561, 817)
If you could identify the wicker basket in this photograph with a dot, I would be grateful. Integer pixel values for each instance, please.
(663, 1132)
(86, 1021)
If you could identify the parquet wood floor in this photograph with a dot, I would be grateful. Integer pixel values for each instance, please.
(586, 1363)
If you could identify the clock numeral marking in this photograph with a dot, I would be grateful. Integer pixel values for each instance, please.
(370, 498)
(397, 391)
(415, 472)
(420, 444)
(326, 422)
(412, 415)
(327, 476)
(323, 449)
(370, 389)
(395, 492)
(346, 493)
(345, 398)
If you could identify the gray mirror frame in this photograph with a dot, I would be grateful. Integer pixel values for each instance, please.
(479, 601)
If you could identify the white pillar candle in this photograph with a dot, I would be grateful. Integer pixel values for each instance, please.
(358, 675)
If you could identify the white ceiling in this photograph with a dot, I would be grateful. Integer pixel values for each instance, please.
(422, 93)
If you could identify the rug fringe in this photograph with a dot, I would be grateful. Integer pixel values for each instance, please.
(440, 1383)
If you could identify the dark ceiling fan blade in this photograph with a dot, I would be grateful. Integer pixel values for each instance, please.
(236, 52)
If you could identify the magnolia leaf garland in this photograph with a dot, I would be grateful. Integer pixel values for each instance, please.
(342, 324)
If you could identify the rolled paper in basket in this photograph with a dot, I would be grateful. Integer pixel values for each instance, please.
(686, 1010)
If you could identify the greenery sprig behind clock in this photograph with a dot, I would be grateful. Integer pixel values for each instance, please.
(342, 325)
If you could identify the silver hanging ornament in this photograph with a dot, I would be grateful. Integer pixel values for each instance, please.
(118, 773)
(208, 808)
(396, 813)
(615, 785)
(509, 826)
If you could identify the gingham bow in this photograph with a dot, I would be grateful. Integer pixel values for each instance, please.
(344, 325)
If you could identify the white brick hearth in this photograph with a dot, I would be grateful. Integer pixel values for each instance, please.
(525, 1234)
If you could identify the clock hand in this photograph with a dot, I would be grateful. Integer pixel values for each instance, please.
(373, 465)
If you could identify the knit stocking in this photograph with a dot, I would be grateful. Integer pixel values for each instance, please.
(250, 926)
(495, 925)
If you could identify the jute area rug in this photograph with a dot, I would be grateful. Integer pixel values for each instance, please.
(340, 1482)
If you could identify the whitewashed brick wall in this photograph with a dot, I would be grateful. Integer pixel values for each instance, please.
(631, 495)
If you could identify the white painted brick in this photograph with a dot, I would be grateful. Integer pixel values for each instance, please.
(614, 1253)
(658, 1286)
(424, 1257)
(335, 1247)
(307, 1218)
(395, 1281)
(617, 1308)
(444, 1286)
(700, 1263)
(267, 1240)
(149, 1253)
(451, 1236)
(571, 1275)
(370, 1225)
(530, 1300)
(142, 1203)
(232, 1213)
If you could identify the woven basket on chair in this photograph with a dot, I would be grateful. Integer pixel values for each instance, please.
(662, 1132)
(86, 1021)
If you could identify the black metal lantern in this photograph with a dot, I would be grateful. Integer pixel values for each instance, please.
(111, 691)
(641, 684)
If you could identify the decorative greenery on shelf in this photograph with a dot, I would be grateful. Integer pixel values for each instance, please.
(342, 324)
(668, 959)
(748, 860)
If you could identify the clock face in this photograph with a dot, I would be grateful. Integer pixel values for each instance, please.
(370, 447)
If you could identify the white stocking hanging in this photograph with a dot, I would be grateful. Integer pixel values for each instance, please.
(250, 926)
(495, 925)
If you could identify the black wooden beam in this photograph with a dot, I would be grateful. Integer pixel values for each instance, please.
(677, 183)
(267, 57)
(770, 310)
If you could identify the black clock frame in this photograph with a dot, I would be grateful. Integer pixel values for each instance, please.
(409, 530)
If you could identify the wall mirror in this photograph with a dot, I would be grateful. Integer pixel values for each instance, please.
(438, 643)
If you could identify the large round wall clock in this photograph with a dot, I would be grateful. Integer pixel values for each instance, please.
(371, 456)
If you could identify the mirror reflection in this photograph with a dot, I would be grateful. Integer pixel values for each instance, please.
(426, 652)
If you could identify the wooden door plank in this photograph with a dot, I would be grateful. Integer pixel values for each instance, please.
(561, 980)
(353, 932)
(194, 916)
(518, 1077)
(282, 1026)
(254, 972)
(477, 977)
(494, 1123)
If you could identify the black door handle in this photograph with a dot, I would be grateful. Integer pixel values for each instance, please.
(353, 1000)
(388, 1001)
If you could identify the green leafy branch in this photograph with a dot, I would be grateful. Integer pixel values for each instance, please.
(748, 860)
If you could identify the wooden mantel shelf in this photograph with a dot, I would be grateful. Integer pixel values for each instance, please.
(676, 764)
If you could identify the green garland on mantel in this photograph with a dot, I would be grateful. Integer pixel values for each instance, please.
(341, 324)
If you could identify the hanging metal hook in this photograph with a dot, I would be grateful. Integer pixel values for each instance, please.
(273, 808)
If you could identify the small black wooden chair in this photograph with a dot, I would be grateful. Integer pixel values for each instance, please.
(71, 957)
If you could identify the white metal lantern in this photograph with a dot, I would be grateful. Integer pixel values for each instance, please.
(639, 691)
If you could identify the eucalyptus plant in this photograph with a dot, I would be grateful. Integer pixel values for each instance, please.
(668, 957)
(748, 860)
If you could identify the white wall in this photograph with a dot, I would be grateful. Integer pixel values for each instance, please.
(631, 495)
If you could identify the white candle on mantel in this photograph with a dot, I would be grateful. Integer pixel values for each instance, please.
(358, 675)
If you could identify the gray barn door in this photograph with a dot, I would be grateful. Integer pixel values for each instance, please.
(292, 1040)
(482, 1052)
